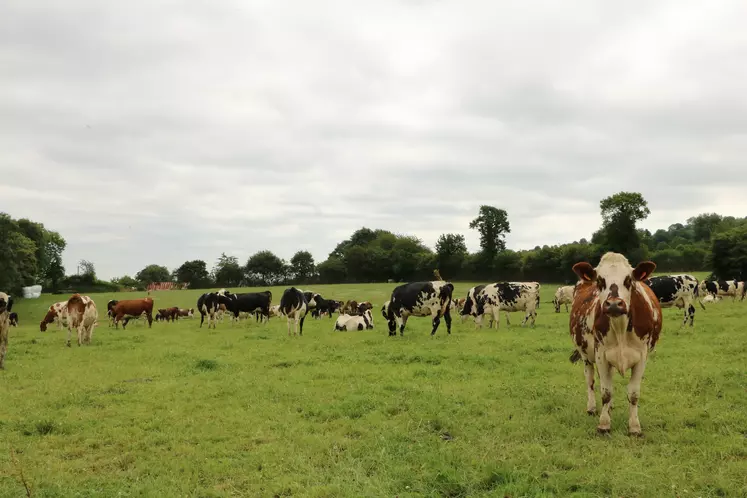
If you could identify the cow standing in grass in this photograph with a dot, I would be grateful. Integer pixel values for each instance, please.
(6, 305)
(677, 290)
(419, 299)
(132, 308)
(294, 306)
(489, 300)
(109, 312)
(615, 321)
(724, 288)
(82, 316)
(564, 295)
(56, 313)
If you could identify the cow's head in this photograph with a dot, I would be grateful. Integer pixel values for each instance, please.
(6, 302)
(614, 277)
(556, 303)
(388, 314)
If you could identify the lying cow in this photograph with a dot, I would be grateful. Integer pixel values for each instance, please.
(359, 322)
(564, 295)
(6, 305)
(419, 299)
(294, 306)
(132, 308)
(615, 322)
(82, 316)
(676, 290)
(491, 299)
(725, 288)
(710, 299)
(57, 313)
(186, 313)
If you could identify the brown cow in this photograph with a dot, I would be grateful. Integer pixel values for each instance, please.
(82, 316)
(615, 321)
(132, 308)
(169, 313)
(189, 313)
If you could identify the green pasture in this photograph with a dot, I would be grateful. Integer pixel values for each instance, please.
(245, 410)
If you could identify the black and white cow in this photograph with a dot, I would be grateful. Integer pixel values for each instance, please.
(502, 296)
(249, 302)
(676, 290)
(363, 321)
(209, 303)
(328, 306)
(419, 299)
(293, 305)
(721, 288)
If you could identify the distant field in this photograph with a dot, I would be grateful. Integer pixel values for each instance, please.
(247, 411)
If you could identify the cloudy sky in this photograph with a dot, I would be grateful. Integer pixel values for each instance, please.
(155, 131)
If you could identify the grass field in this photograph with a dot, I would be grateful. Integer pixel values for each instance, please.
(247, 411)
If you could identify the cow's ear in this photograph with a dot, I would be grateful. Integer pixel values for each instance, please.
(585, 271)
(644, 270)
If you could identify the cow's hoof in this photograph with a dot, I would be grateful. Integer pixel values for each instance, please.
(603, 430)
(593, 411)
(68, 345)
(635, 433)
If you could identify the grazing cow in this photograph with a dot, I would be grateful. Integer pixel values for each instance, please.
(491, 299)
(249, 303)
(168, 314)
(323, 306)
(208, 305)
(419, 299)
(564, 295)
(293, 305)
(721, 288)
(6, 305)
(109, 313)
(676, 290)
(186, 313)
(615, 321)
(360, 322)
(82, 316)
(56, 313)
(132, 308)
(13, 317)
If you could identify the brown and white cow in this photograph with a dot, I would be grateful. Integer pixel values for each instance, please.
(186, 313)
(615, 321)
(82, 316)
(56, 313)
(6, 305)
(169, 314)
(132, 308)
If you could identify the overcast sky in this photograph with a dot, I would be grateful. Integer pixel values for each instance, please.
(155, 131)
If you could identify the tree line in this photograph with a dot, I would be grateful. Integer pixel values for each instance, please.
(29, 253)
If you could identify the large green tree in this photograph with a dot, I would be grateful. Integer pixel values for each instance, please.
(227, 272)
(620, 213)
(451, 250)
(729, 254)
(194, 273)
(302, 266)
(153, 273)
(265, 267)
(492, 225)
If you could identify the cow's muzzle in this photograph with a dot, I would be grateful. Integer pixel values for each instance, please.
(615, 307)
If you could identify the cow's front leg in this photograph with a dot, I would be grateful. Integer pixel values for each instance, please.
(300, 330)
(508, 322)
(435, 321)
(634, 394)
(69, 334)
(606, 385)
(495, 317)
(402, 322)
(591, 400)
(691, 312)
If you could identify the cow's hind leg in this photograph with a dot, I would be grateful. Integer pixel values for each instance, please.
(69, 334)
(634, 394)
(447, 319)
(402, 321)
(300, 330)
(591, 400)
(3, 348)
(606, 385)
(691, 312)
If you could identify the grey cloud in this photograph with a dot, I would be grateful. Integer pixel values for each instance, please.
(150, 132)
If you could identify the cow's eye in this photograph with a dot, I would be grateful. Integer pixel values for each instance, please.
(601, 283)
(628, 282)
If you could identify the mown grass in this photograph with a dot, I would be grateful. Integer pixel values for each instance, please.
(247, 411)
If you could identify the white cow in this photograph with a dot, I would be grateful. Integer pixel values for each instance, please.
(564, 295)
(355, 322)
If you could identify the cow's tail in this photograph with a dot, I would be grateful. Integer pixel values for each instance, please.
(575, 356)
(696, 293)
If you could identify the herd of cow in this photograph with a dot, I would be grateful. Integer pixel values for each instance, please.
(615, 315)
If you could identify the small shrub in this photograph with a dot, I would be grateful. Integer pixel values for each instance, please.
(206, 365)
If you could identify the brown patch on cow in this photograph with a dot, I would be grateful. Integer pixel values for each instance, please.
(606, 397)
(601, 323)
(628, 282)
(642, 317)
(614, 291)
(582, 305)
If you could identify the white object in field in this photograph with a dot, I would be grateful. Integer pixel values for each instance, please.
(32, 292)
